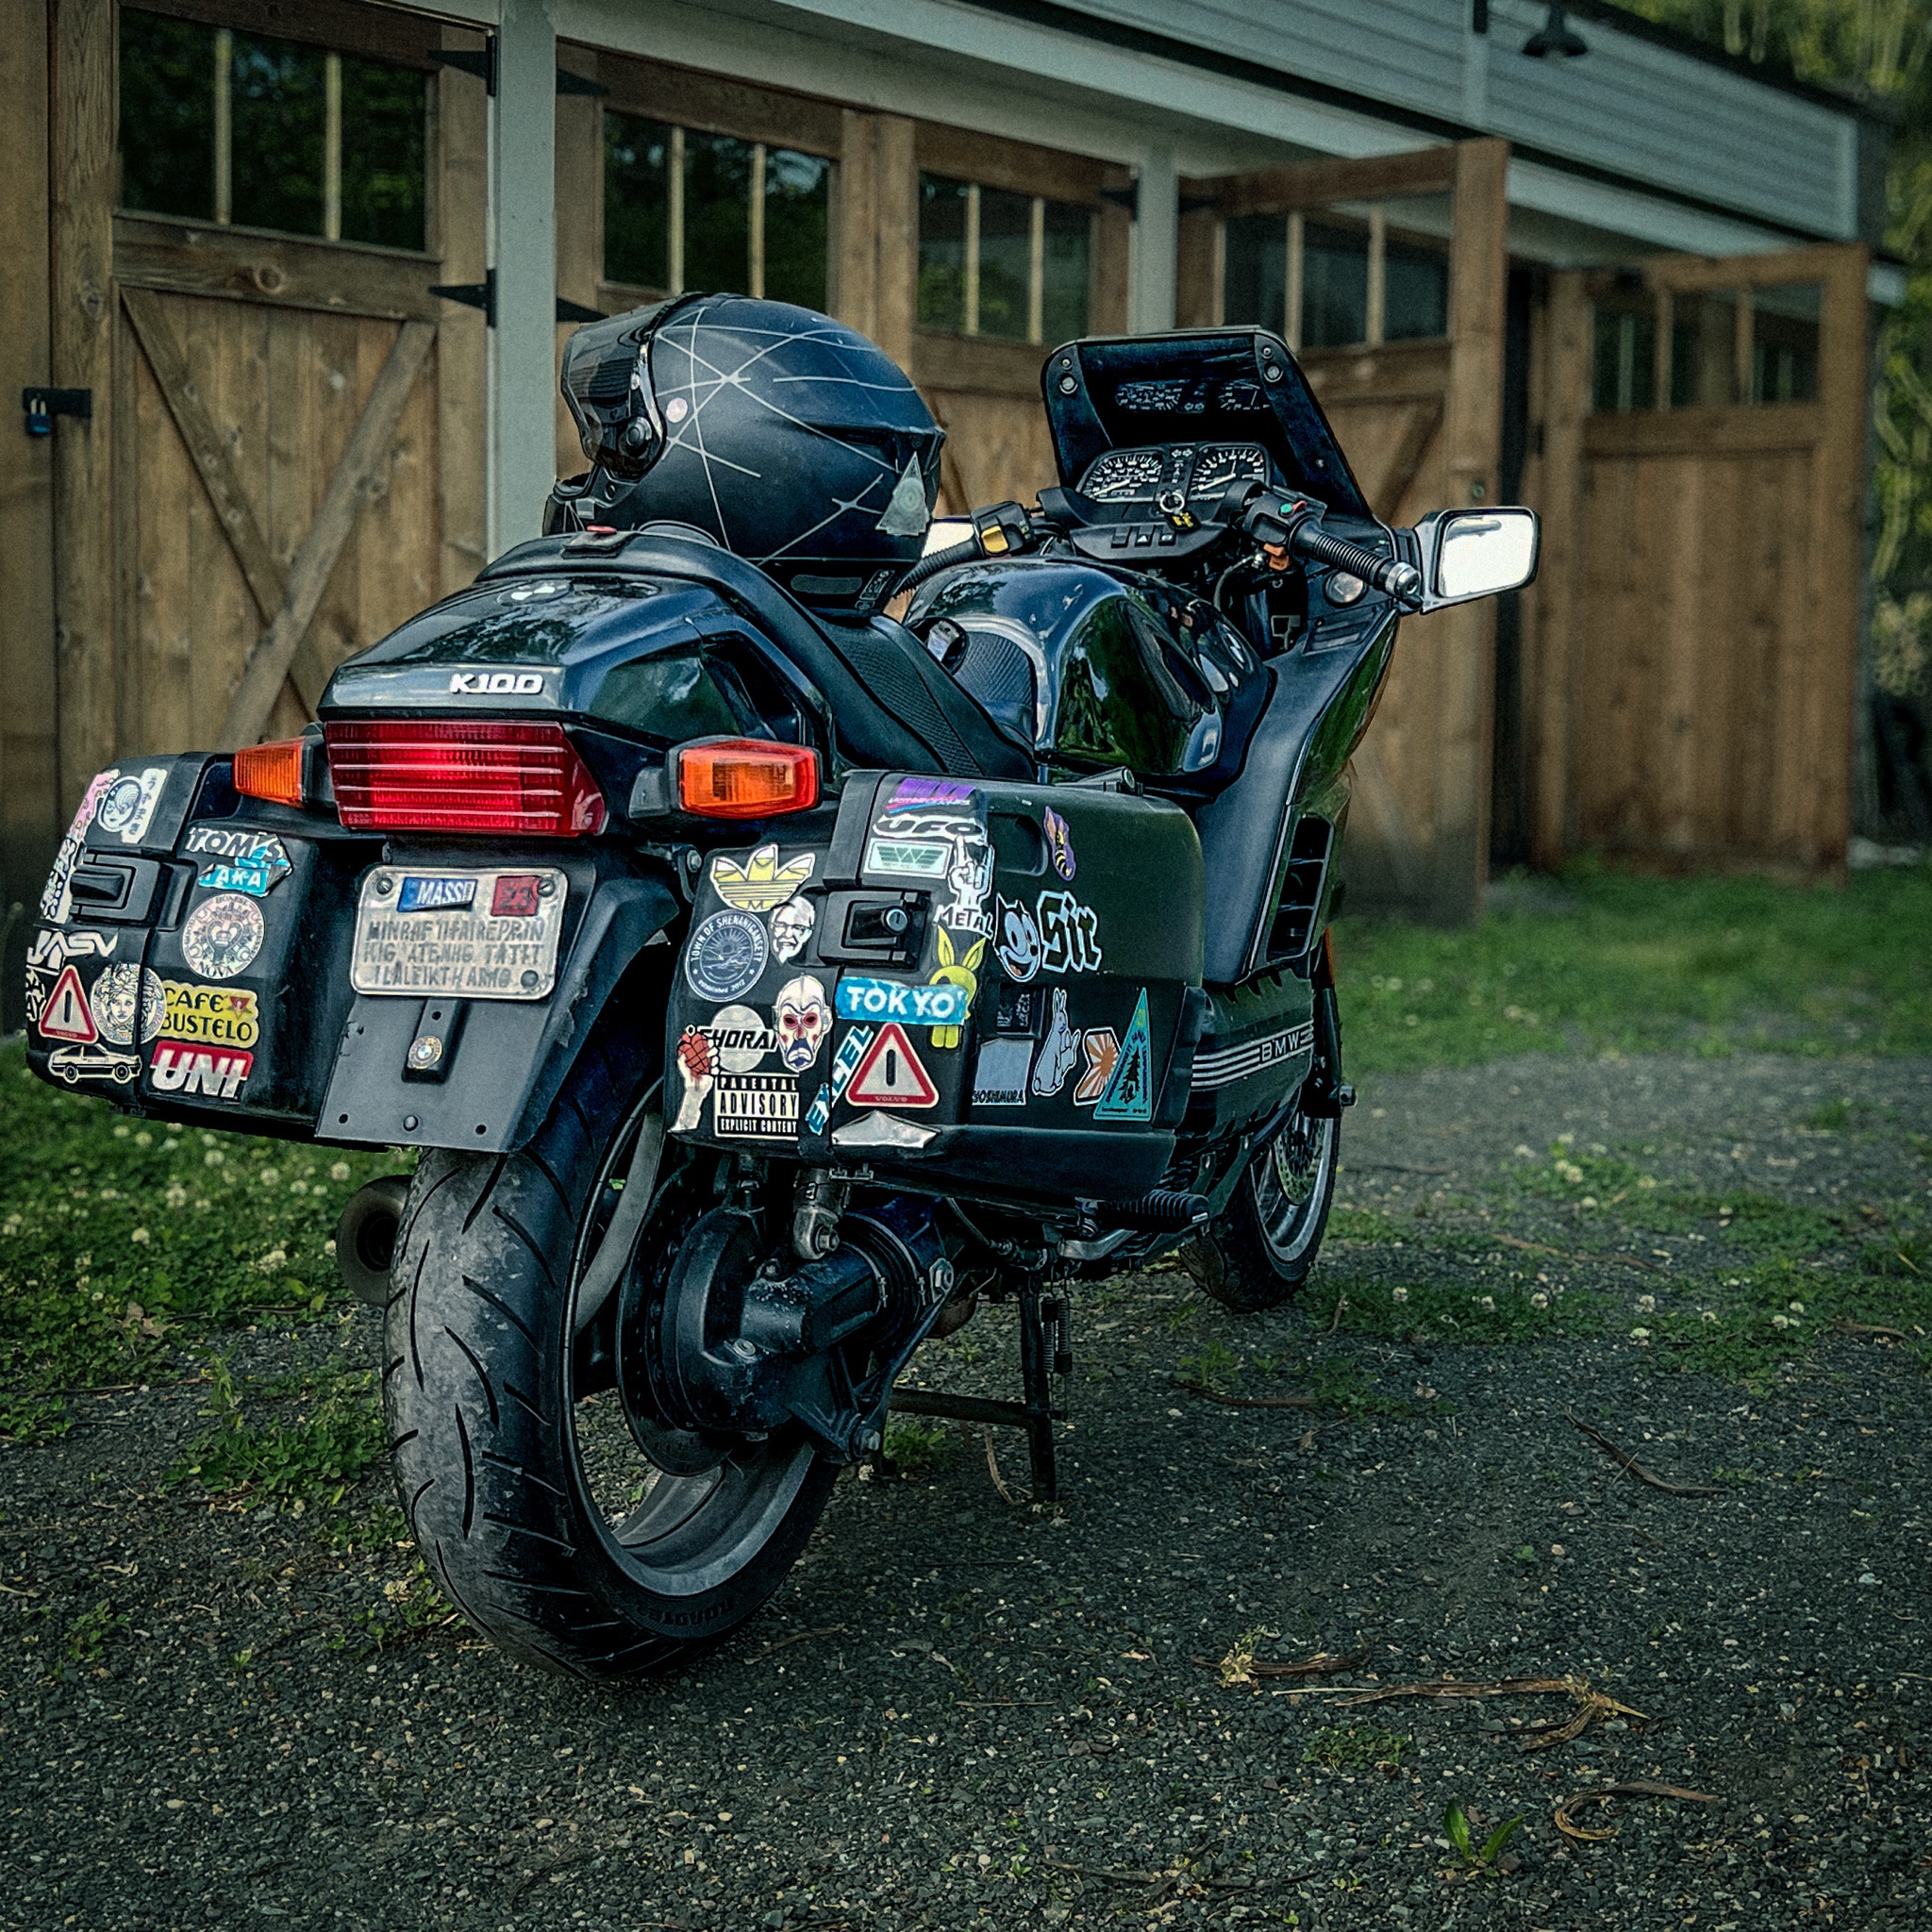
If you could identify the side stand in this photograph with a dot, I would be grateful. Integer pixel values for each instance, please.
(1045, 1351)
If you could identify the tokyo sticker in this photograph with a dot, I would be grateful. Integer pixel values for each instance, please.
(126, 997)
(725, 955)
(223, 936)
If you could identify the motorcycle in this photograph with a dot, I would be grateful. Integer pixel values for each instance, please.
(763, 990)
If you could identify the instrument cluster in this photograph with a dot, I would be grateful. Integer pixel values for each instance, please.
(1195, 473)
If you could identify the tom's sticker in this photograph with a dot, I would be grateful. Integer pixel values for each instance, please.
(237, 860)
(223, 935)
(725, 955)
(216, 1073)
(127, 806)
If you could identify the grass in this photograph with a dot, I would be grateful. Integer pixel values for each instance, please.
(1644, 964)
(1354, 1747)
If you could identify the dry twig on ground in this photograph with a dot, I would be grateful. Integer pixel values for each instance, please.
(1628, 1462)
(1565, 1820)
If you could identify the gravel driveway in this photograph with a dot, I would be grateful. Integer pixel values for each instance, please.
(961, 1711)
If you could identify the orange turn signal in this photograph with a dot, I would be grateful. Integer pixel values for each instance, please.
(272, 771)
(746, 778)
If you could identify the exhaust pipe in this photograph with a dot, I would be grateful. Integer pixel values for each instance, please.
(366, 1238)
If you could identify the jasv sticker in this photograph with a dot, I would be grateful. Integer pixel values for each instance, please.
(223, 936)
(803, 1020)
(217, 1074)
(51, 950)
(999, 1078)
(1129, 1094)
(725, 955)
(761, 883)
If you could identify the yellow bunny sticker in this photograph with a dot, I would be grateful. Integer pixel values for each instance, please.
(956, 972)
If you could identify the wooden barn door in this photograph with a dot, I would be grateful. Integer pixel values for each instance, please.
(1694, 634)
(285, 456)
(1388, 277)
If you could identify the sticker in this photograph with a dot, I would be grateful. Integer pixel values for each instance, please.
(968, 868)
(761, 883)
(821, 1111)
(695, 1067)
(215, 1015)
(123, 996)
(861, 997)
(739, 1039)
(1226, 1064)
(1129, 1094)
(223, 936)
(494, 683)
(882, 1131)
(1059, 843)
(182, 1070)
(34, 993)
(999, 1077)
(803, 1020)
(1021, 1009)
(515, 895)
(1102, 1046)
(57, 902)
(851, 1051)
(763, 1104)
(725, 955)
(970, 877)
(127, 806)
(1019, 946)
(51, 950)
(238, 860)
(1058, 1053)
(928, 792)
(1069, 933)
(953, 971)
(916, 859)
(890, 1073)
(421, 894)
(791, 925)
(65, 1013)
(74, 1063)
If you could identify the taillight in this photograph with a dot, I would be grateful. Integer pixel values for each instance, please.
(461, 776)
(746, 778)
(272, 771)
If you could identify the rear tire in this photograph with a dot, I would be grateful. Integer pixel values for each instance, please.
(527, 1494)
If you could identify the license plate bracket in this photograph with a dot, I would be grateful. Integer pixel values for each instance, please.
(460, 932)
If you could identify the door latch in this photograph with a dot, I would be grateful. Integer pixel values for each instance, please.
(43, 405)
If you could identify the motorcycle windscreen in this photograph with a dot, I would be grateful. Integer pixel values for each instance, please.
(1236, 385)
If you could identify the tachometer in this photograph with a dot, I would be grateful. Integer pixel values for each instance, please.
(1124, 475)
(1216, 468)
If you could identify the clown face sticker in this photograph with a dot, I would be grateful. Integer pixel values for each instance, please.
(223, 936)
(804, 1019)
(791, 927)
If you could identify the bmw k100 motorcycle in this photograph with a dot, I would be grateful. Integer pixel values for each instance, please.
(765, 979)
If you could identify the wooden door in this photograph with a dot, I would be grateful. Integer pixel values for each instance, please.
(1388, 278)
(1694, 641)
(285, 458)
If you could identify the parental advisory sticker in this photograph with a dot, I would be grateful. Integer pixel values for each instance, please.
(762, 1103)
(472, 935)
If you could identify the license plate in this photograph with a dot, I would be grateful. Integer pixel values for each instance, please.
(471, 935)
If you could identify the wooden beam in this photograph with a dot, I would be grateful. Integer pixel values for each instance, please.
(855, 215)
(1316, 184)
(897, 191)
(1406, 459)
(689, 98)
(461, 184)
(1016, 165)
(1714, 430)
(309, 574)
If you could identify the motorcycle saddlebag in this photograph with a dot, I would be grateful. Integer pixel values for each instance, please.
(993, 985)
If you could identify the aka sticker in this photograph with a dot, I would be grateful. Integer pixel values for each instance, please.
(1057, 1052)
(999, 1077)
(803, 1020)
(1059, 843)
(236, 860)
(862, 997)
(725, 955)
(1129, 1094)
(56, 901)
(127, 807)
(223, 935)
(1070, 935)
(791, 925)
(765, 1105)
(960, 970)
(184, 1069)
(126, 997)
(697, 1069)
(1102, 1046)
(761, 883)
(892, 1074)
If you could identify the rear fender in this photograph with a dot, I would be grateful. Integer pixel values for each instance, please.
(503, 1061)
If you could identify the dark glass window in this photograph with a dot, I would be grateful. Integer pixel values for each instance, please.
(636, 201)
(385, 153)
(1703, 350)
(1415, 289)
(717, 212)
(1335, 285)
(1006, 252)
(276, 113)
(942, 208)
(1066, 271)
(992, 262)
(1784, 343)
(1623, 358)
(1255, 276)
(798, 200)
(167, 116)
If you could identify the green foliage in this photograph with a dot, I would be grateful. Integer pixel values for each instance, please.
(915, 1446)
(1355, 1748)
(1476, 1859)
(87, 1635)
(1453, 1313)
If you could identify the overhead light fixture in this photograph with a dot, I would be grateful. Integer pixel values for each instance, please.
(1555, 40)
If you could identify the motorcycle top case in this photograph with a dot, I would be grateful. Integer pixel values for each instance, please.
(987, 981)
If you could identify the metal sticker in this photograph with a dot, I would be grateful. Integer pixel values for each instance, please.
(760, 1104)
(791, 925)
(960, 970)
(761, 883)
(968, 869)
(739, 1038)
(892, 1074)
(697, 1069)
(725, 955)
(1018, 947)
(126, 997)
(1059, 844)
(914, 858)
(76, 1063)
(223, 936)
(1070, 935)
(1129, 1094)
(217, 1074)
(57, 902)
(127, 807)
(215, 1015)
(65, 1014)
(861, 997)
(999, 1077)
(1057, 1052)
(803, 1020)
(1102, 1046)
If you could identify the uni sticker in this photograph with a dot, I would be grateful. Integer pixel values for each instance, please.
(219, 1076)
(761, 883)
(1129, 1094)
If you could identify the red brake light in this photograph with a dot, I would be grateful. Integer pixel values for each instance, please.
(746, 778)
(270, 771)
(461, 776)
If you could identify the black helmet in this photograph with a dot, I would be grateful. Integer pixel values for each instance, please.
(783, 435)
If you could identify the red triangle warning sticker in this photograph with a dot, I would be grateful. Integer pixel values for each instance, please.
(891, 1074)
(67, 1014)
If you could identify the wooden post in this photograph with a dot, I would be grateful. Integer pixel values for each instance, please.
(579, 223)
(855, 298)
(897, 191)
(461, 199)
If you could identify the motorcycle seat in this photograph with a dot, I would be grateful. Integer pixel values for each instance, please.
(892, 707)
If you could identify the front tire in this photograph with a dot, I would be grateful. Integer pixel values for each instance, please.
(524, 1486)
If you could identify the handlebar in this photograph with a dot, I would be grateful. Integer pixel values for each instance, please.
(1295, 524)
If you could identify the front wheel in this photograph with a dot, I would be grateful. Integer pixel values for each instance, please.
(524, 1486)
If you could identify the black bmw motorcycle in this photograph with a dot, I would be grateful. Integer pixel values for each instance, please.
(766, 979)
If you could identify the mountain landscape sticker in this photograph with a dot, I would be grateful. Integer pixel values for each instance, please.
(1129, 1094)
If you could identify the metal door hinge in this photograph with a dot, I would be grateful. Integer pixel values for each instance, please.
(43, 405)
(483, 296)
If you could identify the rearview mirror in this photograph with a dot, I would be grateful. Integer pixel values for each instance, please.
(1475, 553)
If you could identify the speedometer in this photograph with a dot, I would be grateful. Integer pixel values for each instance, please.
(1216, 468)
(1124, 475)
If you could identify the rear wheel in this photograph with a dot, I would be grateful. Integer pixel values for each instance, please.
(525, 1483)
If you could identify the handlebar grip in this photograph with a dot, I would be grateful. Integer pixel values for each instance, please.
(1389, 574)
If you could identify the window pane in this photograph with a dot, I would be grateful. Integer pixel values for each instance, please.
(1335, 285)
(636, 204)
(1253, 284)
(1415, 289)
(942, 252)
(1784, 343)
(1703, 349)
(1623, 371)
(798, 200)
(1068, 272)
(384, 153)
(717, 212)
(277, 134)
(1006, 247)
(167, 116)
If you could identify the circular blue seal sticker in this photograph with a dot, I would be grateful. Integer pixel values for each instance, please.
(223, 936)
(725, 955)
